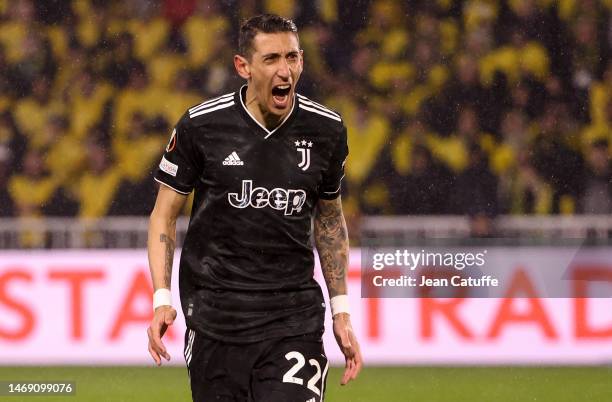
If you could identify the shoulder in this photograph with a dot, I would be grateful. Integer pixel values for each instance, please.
(207, 111)
(320, 114)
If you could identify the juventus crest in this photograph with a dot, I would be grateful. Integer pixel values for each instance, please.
(303, 147)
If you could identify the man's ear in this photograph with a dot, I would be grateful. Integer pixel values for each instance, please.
(242, 67)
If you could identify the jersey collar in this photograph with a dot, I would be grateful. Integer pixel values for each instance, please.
(251, 119)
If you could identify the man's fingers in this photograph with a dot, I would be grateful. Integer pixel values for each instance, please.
(156, 342)
(158, 327)
(352, 370)
(350, 349)
(356, 368)
(156, 337)
(345, 375)
(354, 361)
(154, 355)
(348, 369)
(358, 359)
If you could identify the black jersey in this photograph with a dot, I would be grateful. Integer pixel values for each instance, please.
(246, 270)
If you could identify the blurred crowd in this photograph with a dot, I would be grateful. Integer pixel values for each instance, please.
(478, 107)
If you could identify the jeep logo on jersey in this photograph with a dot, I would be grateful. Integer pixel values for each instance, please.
(304, 153)
(259, 197)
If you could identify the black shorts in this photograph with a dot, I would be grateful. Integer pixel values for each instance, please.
(291, 369)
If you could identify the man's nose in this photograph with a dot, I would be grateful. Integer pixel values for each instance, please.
(283, 69)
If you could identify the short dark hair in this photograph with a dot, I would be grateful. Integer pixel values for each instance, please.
(266, 23)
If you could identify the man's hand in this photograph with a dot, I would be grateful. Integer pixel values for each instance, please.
(343, 331)
(162, 318)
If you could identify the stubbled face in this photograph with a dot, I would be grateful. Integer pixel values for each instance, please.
(275, 67)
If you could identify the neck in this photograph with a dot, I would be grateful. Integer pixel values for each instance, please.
(264, 117)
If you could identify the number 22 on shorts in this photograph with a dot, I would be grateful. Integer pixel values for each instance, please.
(301, 362)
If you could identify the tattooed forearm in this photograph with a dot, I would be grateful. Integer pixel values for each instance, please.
(331, 240)
(163, 238)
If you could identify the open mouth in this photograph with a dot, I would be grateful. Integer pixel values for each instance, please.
(280, 95)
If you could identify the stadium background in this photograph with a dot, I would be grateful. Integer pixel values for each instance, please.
(473, 118)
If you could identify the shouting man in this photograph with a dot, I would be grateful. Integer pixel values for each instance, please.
(264, 162)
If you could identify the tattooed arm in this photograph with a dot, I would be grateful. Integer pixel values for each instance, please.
(331, 239)
(162, 235)
(160, 245)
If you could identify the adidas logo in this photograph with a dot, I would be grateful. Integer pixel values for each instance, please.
(233, 160)
(311, 400)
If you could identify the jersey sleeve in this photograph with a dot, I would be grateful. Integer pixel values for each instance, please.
(332, 177)
(178, 168)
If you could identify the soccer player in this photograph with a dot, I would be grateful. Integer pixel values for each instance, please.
(265, 164)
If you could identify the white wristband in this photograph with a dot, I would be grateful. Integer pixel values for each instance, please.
(162, 297)
(339, 304)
